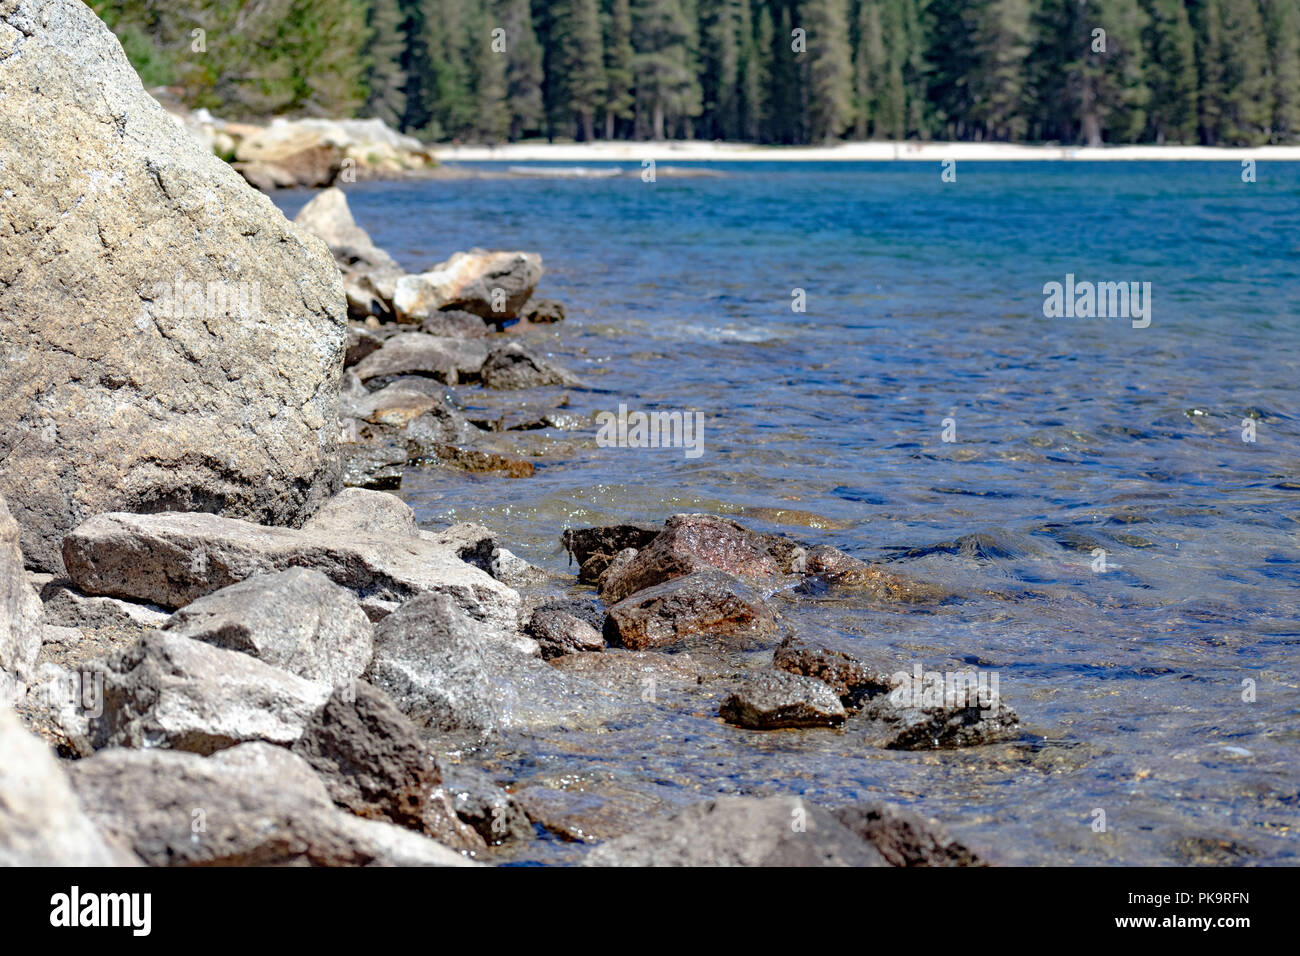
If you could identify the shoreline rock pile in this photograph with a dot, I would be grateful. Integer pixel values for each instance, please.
(243, 663)
(412, 335)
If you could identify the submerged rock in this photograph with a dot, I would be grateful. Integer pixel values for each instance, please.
(741, 831)
(703, 605)
(170, 340)
(905, 837)
(769, 700)
(544, 311)
(918, 715)
(298, 620)
(851, 680)
(493, 813)
(252, 805)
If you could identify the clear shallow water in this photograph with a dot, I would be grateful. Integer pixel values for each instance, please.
(924, 302)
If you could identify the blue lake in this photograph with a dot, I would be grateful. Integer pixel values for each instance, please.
(1164, 690)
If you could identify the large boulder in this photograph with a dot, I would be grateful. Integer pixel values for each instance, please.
(20, 615)
(173, 559)
(298, 620)
(494, 285)
(169, 340)
(252, 805)
(42, 822)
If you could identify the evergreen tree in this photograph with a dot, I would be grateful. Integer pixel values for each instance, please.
(620, 67)
(666, 87)
(830, 68)
(1282, 25)
(523, 67)
(1245, 82)
(996, 81)
(580, 90)
(1171, 74)
(386, 52)
(720, 70)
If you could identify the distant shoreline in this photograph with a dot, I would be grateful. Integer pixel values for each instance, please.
(699, 151)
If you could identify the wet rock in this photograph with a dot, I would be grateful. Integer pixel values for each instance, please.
(42, 821)
(527, 410)
(925, 713)
(613, 568)
(850, 679)
(701, 606)
(494, 814)
(375, 765)
(544, 311)
(589, 810)
(741, 831)
(769, 700)
(173, 559)
(409, 414)
(494, 285)
(172, 692)
(357, 511)
(513, 365)
(68, 607)
(481, 461)
(118, 390)
(414, 353)
(829, 567)
(252, 805)
(456, 677)
(375, 466)
(559, 633)
(454, 324)
(905, 837)
(21, 615)
(688, 543)
(642, 675)
(595, 548)
(297, 620)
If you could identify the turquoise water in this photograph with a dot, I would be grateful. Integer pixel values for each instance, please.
(925, 303)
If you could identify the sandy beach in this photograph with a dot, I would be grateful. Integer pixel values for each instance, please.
(698, 151)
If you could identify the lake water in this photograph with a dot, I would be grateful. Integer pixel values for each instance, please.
(1074, 440)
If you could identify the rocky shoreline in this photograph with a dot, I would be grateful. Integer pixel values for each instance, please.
(225, 642)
